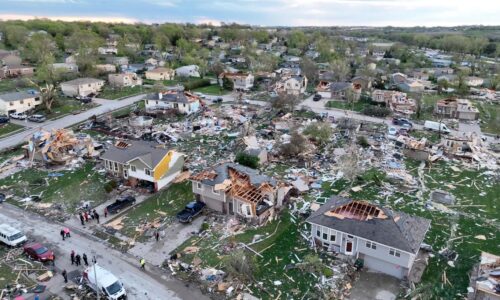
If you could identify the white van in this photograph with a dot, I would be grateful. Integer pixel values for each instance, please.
(100, 279)
(436, 126)
(11, 236)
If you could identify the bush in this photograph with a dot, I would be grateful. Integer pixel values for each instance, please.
(198, 83)
(376, 111)
(110, 186)
(204, 226)
(363, 142)
(248, 160)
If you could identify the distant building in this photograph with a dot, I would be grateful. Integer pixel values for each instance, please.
(14, 71)
(124, 80)
(241, 81)
(292, 85)
(396, 101)
(82, 87)
(160, 74)
(461, 109)
(18, 102)
(107, 50)
(188, 71)
(65, 67)
(106, 68)
(411, 86)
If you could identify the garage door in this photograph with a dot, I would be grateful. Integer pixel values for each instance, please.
(213, 203)
(384, 267)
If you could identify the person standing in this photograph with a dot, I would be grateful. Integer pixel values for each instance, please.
(65, 276)
(78, 260)
(85, 261)
(63, 235)
(157, 235)
(72, 257)
(96, 216)
(105, 212)
(66, 232)
(86, 216)
(143, 263)
(82, 219)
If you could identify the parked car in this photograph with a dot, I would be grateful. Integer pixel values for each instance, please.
(317, 97)
(402, 122)
(85, 100)
(2, 197)
(4, 119)
(11, 236)
(191, 210)
(120, 204)
(37, 118)
(39, 252)
(217, 100)
(18, 116)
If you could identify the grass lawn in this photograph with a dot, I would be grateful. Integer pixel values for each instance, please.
(428, 103)
(164, 204)
(213, 89)
(432, 137)
(356, 106)
(68, 190)
(490, 117)
(8, 85)
(66, 106)
(8, 128)
(476, 214)
(115, 93)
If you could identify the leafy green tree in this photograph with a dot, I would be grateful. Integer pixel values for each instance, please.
(46, 81)
(340, 69)
(227, 84)
(85, 44)
(245, 159)
(462, 87)
(15, 35)
(297, 39)
(296, 146)
(240, 265)
(38, 47)
(310, 70)
(320, 132)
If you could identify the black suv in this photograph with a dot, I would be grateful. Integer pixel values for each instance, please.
(4, 119)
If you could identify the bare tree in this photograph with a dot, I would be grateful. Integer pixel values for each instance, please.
(349, 163)
(296, 146)
(285, 102)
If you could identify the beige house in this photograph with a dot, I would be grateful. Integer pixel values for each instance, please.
(124, 80)
(82, 87)
(18, 102)
(8, 58)
(160, 74)
(461, 109)
(292, 85)
(241, 81)
(16, 71)
(106, 68)
(396, 101)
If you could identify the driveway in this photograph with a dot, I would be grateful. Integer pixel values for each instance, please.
(106, 106)
(375, 286)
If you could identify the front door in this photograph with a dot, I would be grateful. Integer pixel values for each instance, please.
(348, 248)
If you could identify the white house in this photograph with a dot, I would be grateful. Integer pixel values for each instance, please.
(126, 79)
(82, 87)
(188, 71)
(18, 102)
(184, 102)
(107, 50)
(65, 67)
(292, 85)
(241, 81)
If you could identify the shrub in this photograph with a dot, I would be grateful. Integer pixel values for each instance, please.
(110, 186)
(363, 142)
(376, 111)
(248, 160)
(204, 226)
(191, 85)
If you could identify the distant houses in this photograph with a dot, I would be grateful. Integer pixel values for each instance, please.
(18, 102)
(82, 87)
(160, 73)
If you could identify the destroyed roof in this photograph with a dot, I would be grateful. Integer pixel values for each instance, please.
(17, 96)
(173, 96)
(378, 224)
(123, 152)
(220, 173)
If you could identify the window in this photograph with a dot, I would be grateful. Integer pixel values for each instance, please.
(318, 233)
(147, 171)
(198, 185)
(116, 166)
(132, 168)
(333, 237)
(371, 245)
(325, 236)
(394, 252)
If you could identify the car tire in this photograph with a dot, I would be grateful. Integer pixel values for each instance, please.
(190, 219)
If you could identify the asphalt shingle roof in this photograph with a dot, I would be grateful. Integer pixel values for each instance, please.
(146, 151)
(16, 96)
(399, 230)
(256, 179)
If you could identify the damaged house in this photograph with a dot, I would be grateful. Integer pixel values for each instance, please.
(143, 163)
(235, 189)
(386, 241)
(184, 102)
(396, 101)
(461, 109)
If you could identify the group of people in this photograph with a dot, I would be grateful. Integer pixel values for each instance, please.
(89, 215)
(76, 259)
(65, 233)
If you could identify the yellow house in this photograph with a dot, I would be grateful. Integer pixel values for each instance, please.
(160, 74)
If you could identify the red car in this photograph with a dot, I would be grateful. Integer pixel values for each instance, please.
(39, 252)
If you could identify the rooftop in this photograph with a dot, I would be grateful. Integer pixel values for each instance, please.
(125, 151)
(16, 96)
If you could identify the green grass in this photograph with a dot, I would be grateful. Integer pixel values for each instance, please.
(428, 102)
(164, 204)
(115, 93)
(65, 106)
(432, 137)
(82, 184)
(8, 85)
(490, 117)
(211, 90)
(356, 106)
(9, 128)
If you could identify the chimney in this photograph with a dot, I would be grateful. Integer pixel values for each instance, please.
(160, 95)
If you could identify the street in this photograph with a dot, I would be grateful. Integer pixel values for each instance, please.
(149, 284)
(67, 121)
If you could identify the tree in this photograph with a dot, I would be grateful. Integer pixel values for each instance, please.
(495, 82)
(285, 102)
(38, 47)
(46, 81)
(227, 84)
(462, 87)
(442, 85)
(340, 69)
(85, 44)
(310, 70)
(349, 163)
(245, 159)
(321, 132)
(239, 265)
(217, 68)
(15, 35)
(297, 39)
(296, 146)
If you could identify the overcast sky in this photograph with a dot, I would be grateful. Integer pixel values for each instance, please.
(264, 12)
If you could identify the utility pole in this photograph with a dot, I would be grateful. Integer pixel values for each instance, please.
(94, 260)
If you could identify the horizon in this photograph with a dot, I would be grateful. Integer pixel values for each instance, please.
(291, 13)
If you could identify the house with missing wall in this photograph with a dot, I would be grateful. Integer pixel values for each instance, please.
(183, 102)
(142, 163)
(241, 81)
(126, 79)
(461, 109)
(234, 189)
(387, 241)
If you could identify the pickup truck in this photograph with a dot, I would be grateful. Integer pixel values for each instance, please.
(120, 204)
(191, 210)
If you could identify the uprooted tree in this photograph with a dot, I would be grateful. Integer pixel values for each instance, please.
(245, 159)
(240, 265)
(320, 132)
(46, 81)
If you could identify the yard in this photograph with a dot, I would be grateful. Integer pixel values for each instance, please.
(164, 204)
(9, 128)
(67, 188)
(489, 114)
(65, 106)
(116, 93)
(356, 106)
(10, 85)
(212, 90)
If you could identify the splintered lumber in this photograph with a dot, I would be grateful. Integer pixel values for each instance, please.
(244, 245)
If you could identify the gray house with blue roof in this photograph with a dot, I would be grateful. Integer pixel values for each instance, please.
(387, 241)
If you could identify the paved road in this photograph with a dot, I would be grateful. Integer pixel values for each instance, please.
(106, 106)
(147, 285)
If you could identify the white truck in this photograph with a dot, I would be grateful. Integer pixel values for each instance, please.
(104, 282)
(11, 236)
(436, 126)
